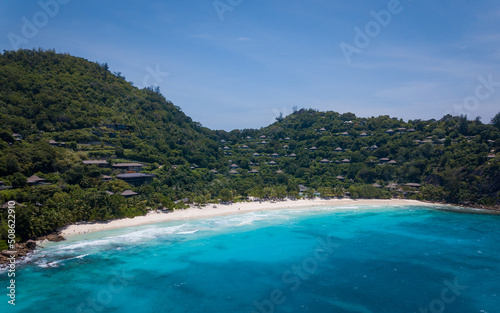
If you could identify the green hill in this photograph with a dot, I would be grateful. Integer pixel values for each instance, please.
(64, 98)
(57, 111)
(452, 159)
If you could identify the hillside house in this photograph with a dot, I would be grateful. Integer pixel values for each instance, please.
(6, 204)
(99, 163)
(3, 186)
(106, 178)
(36, 181)
(129, 193)
(135, 167)
(136, 179)
(17, 136)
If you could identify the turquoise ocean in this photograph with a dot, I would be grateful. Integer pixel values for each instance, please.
(349, 259)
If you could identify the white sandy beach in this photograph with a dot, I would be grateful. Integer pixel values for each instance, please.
(210, 211)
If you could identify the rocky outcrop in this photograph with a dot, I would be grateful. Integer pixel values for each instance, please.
(31, 244)
(54, 237)
(7, 253)
(21, 250)
(24, 248)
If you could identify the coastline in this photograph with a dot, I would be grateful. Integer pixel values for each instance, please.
(225, 209)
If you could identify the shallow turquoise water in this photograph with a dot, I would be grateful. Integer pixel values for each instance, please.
(387, 259)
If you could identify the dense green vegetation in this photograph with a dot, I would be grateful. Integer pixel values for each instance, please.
(98, 115)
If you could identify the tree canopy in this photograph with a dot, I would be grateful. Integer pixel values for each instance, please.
(57, 111)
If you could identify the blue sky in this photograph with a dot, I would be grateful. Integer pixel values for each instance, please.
(238, 66)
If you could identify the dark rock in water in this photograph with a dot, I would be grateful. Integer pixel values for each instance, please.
(21, 250)
(55, 238)
(30, 244)
(8, 253)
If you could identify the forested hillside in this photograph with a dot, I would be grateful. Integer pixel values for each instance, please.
(44, 95)
(57, 111)
(454, 160)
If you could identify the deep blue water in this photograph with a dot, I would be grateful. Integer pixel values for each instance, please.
(382, 259)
